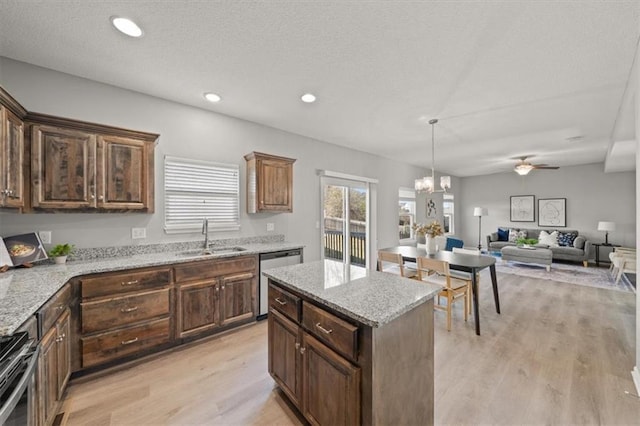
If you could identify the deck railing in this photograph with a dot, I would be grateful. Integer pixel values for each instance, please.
(334, 243)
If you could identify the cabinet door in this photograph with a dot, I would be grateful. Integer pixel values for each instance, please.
(63, 340)
(123, 174)
(63, 168)
(275, 185)
(284, 355)
(331, 385)
(48, 376)
(11, 169)
(198, 307)
(237, 297)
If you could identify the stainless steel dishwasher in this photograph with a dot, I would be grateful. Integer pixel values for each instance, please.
(274, 260)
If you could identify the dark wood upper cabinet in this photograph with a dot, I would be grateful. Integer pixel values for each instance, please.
(126, 179)
(63, 168)
(269, 183)
(12, 152)
(77, 165)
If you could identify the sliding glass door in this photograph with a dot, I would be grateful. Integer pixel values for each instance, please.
(345, 221)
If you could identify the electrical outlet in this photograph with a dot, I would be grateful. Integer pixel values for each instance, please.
(45, 237)
(271, 227)
(138, 233)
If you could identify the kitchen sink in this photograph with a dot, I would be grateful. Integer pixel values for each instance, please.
(210, 252)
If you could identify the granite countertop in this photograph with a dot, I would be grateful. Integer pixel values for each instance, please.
(369, 297)
(24, 290)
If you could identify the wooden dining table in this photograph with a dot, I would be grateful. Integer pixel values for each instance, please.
(461, 262)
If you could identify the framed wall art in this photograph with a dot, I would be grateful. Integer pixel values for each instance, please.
(552, 212)
(522, 208)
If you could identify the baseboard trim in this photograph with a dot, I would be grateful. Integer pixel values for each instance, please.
(635, 374)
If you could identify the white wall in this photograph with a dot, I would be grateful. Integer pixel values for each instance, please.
(591, 194)
(195, 133)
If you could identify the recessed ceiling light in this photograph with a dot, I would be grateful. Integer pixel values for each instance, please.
(212, 97)
(126, 26)
(308, 98)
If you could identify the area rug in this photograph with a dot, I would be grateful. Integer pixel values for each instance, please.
(567, 273)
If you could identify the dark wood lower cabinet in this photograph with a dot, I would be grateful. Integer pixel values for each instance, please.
(198, 307)
(331, 385)
(54, 368)
(284, 355)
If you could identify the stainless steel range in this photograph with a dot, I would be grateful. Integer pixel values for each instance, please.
(18, 358)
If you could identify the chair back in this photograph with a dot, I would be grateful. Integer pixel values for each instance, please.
(426, 266)
(390, 262)
(453, 242)
(475, 252)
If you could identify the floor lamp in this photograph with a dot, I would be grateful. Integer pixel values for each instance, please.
(479, 212)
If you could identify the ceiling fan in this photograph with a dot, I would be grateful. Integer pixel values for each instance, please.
(524, 167)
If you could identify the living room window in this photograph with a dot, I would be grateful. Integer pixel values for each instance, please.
(407, 213)
(195, 190)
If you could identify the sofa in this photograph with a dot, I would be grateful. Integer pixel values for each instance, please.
(578, 251)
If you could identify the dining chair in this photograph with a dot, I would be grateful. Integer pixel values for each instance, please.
(467, 275)
(437, 272)
(453, 243)
(394, 264)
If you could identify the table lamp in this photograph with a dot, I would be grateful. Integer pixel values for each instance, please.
(606, 226)
(479, 212)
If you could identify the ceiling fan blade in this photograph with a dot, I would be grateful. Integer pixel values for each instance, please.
(540, 166)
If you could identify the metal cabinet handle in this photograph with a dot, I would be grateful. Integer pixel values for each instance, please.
(126, 310)
(303, 350)
(61, 307)
(282, 302)
(297, 345)
(324, 330)
(128, 342)
(58, 339)
(130, 282)
(101, 197)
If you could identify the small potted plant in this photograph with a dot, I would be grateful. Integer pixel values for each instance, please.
(526, 242)
(59, 252)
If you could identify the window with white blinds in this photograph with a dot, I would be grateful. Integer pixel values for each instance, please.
(195, 190)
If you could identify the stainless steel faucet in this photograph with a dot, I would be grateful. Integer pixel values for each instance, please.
(205, 231)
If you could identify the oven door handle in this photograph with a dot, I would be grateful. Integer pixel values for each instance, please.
(14, 398)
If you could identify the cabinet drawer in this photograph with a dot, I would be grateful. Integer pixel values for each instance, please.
(212, 268)
(119, 311)
(337, 333)
(110, 284)
(49, 313)
(284, 302)
(128, 341)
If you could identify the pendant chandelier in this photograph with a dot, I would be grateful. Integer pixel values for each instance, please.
(427, 183)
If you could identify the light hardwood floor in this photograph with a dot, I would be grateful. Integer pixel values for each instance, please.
(558, 354)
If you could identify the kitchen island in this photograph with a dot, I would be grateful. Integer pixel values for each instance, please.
(352, 346)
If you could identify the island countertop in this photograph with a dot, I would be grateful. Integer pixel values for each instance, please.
(24, 290)
(369, 297)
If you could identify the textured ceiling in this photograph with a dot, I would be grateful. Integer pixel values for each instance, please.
(505, 79)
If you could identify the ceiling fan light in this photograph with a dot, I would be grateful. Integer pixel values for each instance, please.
(126, 26)
(523, 169)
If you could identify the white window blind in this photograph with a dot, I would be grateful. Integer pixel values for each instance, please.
(195, 190)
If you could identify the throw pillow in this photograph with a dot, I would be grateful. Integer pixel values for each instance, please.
(514, 234)
(579, 242)
(549, 239)
(503, 234)
(566, 239)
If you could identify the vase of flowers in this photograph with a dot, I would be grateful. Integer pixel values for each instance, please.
(428, 232)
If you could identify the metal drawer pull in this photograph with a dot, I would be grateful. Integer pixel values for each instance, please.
(61, 307)
(125, 310)
(324, 330)
(302, 350)
(130, 282)
(281, 301)
(297, 345)
(128, 342)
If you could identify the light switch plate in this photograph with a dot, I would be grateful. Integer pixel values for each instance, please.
(138, 233)
(271, 226)
(45, 237)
